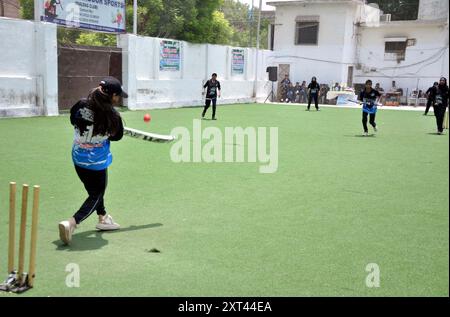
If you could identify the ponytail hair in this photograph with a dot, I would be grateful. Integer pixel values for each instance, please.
(106, 118)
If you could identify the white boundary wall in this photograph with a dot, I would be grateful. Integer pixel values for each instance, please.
(150, 88)
(29, 72)
(28, 68)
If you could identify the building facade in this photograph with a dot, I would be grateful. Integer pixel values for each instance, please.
(350, 41)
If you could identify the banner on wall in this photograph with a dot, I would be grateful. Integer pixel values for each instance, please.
(237, 61)
(169, 59)
(98, 15)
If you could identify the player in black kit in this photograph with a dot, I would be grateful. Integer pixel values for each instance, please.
(212, 92)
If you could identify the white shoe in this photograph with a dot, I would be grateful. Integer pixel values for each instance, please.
(107, 224)
(66, 231)
(366, 134)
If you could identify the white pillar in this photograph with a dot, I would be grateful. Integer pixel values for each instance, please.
(248, 55)
(207, 69)
(228, 63)
(128, 44)
(182, 66)
(258, 36)
(156, 57)
(37, 10)
(46, 71)
(135, 17)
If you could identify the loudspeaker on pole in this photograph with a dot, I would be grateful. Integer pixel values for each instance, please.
(273, 73)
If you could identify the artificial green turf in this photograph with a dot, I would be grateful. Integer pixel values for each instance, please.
(337, 203)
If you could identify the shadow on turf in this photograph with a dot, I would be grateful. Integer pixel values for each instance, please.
(435, 133)
(360, 136)
(93, 239)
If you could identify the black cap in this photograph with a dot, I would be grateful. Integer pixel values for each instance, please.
(111, 85)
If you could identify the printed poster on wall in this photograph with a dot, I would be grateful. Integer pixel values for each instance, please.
(170, 58)
(237, 61)
(98, 15)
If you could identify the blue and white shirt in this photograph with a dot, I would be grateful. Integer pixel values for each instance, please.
(90, 151)
(369, 99)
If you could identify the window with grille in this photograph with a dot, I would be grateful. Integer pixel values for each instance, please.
(307, 33)
(395, 51)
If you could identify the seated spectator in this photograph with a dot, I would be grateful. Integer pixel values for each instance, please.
(297, 90)
(378, 88)
(394, 87)
(284, 87)
(381, 91)
(304, 93)
(324, 89)
(337, 87)
(290, 94)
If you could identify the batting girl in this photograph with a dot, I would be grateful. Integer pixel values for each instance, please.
(369, 97)
(96, 123)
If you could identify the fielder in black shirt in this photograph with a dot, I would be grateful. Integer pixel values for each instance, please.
(212, 92)
(431, 96)
(313, 93)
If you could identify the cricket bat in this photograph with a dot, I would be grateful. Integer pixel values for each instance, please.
(360, 102)
(148, 136)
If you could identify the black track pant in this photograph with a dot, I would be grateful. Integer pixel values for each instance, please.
(372, 120)
(429, 103)
(95, 183)
(316, 100)
(439, 112)
(208, 104)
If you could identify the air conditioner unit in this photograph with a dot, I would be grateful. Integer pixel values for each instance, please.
(358, 66)
(411, 42)
(385, 18)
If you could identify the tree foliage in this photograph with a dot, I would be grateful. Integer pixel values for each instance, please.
(27, 9)
(225, 22)
(196, 21)
(96, 39)
(244, 21)
(400, 9)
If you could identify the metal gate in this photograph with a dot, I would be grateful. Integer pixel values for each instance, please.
(80, 69)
